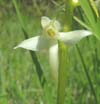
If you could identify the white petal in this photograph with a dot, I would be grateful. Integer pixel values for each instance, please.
(73, 36)
(57, 25)
(54, 61)
(38, 43)
(45, 21)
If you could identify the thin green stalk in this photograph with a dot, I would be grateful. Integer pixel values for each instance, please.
(33, 54)
(81, 23)
(68, 15)
(83, 63)
(62, 73)
(63, 68)
(87, 74)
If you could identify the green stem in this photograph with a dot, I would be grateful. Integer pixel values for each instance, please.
(62, 73)
(63, 68)
(68, 15)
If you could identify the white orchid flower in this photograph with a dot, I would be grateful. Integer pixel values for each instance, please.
(48, 41)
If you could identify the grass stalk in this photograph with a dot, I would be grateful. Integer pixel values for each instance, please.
(87, 74)
(33, 54)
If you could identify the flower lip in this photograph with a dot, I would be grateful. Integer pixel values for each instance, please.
(51, 31)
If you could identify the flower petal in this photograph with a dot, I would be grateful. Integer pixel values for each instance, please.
(57, 25)
(45, 21)
(53, 59)
(38, 43)
(73, 36)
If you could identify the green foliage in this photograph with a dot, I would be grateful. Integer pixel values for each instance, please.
(33, 55)
(92, 16)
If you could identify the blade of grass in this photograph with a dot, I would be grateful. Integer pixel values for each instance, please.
(88, 10)
(81, 23)
(33, 54)
(87, 75)
(94, 7)
(91, 13)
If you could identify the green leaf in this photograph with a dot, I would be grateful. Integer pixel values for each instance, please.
(88, 10)
(91, 13)
(39, 70)
(96, 29)
(94, 7)
(18, 14)
(81, 23)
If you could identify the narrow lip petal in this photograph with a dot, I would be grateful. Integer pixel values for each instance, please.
(38, 43)
(45, 21)
(73, 37)
(54, 60)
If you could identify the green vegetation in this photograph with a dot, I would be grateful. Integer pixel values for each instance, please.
(19, 81)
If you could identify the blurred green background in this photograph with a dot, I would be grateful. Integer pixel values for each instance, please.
(19, 83)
